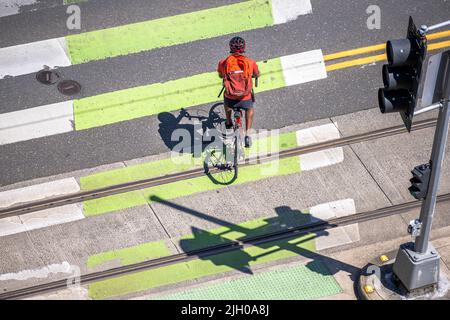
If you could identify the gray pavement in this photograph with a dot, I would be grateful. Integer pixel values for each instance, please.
(372, 174)
(360, 256)
(331, 27)
(270, 199)
(389, 169)
(47, 19)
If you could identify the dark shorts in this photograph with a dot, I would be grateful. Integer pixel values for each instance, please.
(243, 104)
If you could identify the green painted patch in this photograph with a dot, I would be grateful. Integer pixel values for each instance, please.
(201, 238)
(132, 255)
(113, 203)
(66, 2)
(143, 171)
(241, 260)
(169, 31)
(188, 187)
(181, 163)
(156, 98)
(238, 260)
(303, 282)
(272, 144)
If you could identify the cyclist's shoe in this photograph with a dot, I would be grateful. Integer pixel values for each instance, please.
(228, 126)
(248, 141)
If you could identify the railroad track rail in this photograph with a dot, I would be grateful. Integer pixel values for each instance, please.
(198, 172)
(217, 249)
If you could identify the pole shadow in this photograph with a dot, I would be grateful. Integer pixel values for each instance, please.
(241, 259)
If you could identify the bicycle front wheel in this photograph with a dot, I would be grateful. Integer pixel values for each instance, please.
(238, 151)
(221, 161)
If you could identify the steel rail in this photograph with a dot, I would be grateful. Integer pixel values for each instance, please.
(81, 196)
(217, 249)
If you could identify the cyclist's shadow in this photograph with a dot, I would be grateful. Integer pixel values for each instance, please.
(191, 131)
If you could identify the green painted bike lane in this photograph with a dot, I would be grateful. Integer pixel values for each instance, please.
(169, 31)
(303, 282)
(241, 260)
(199, 268)
(152, 99)
(67, 2)
(148, 100)
(185, 187)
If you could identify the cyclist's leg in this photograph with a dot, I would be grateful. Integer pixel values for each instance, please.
(228, 104)
(248, 120)
(228, 112)
(249, 110)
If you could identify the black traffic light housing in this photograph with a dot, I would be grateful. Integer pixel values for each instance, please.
(402, 74)
(420, 181)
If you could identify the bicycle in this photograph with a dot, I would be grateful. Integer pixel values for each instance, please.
(230, 157)
(238, 138)
(225, 156)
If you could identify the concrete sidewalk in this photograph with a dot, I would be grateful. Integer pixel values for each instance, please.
(142, 225)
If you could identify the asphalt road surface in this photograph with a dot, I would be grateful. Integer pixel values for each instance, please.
(333, 26)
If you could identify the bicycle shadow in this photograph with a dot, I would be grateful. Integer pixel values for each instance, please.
(190, 132)
(261, 252)
(202, 137)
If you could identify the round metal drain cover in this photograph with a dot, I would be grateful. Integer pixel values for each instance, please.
(69, 87)
(47, 76)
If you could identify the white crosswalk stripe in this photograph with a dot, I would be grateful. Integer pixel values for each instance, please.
(10, 7)
(32, 57)
(319, 159)
(338, 236)
(36, 122)
(43, 218)
(287, 10)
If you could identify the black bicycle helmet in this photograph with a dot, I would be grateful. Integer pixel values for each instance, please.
(237, 45)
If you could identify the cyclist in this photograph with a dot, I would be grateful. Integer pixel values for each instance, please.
(237, 71)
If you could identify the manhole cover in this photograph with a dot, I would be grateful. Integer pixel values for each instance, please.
(47, 76)
(69, 87)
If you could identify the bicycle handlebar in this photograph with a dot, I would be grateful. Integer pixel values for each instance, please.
(185, 113)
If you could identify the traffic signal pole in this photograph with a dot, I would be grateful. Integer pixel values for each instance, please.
(406, 87)
(414, 80)
(437, 157)
(417, 265)
(424, 29)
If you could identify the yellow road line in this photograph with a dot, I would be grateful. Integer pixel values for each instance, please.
(438, 35)
(379, 47)
(354, 52)
(376, 58)
(439, 45)
(356, 62)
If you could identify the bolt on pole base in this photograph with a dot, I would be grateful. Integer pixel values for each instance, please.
(377, 281)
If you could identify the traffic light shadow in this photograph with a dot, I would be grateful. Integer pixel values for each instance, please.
(260, 252)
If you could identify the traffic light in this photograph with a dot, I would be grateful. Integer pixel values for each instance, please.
(402, 74)
(420, 181)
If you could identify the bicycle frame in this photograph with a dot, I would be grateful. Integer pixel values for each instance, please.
(238, 135)
(237, 119)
